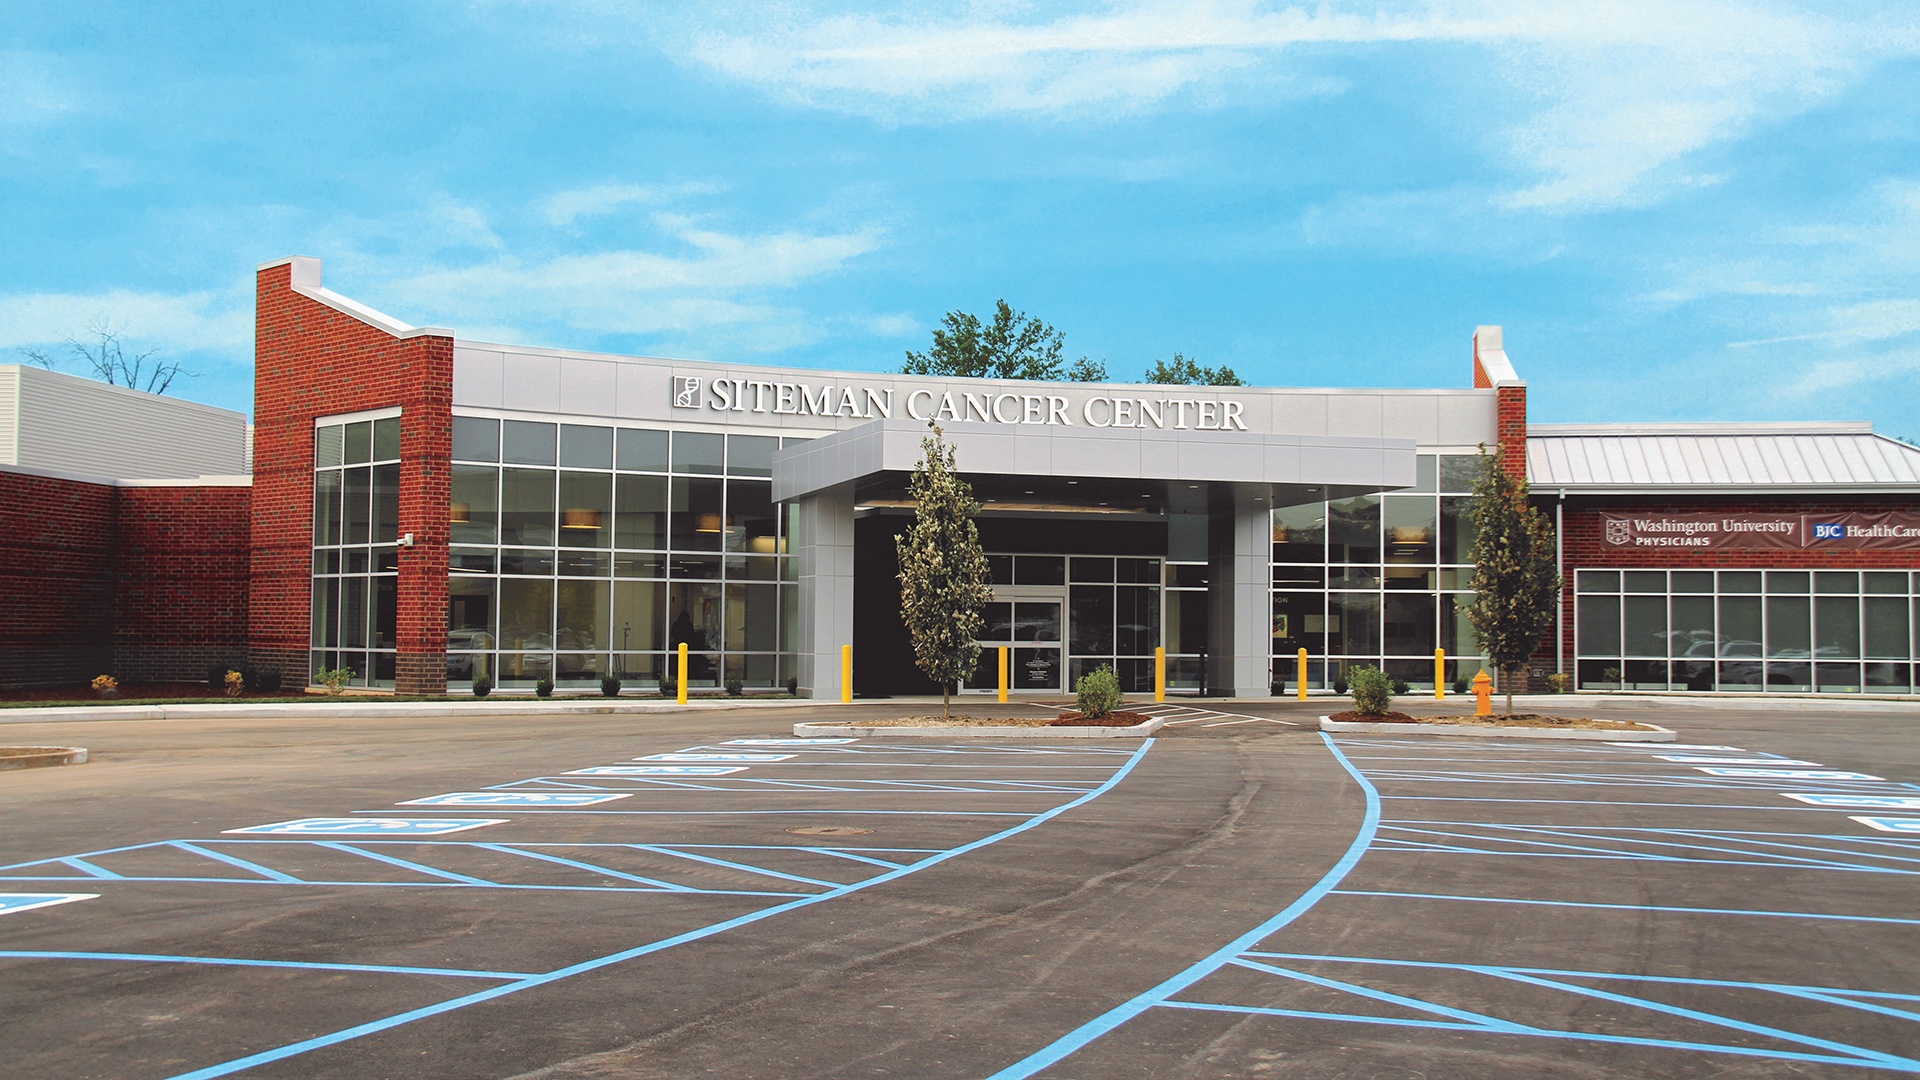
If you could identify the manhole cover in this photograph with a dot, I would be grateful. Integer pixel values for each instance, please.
(829, 830)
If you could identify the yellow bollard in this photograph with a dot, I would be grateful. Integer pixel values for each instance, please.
(1439, 674)
(1160, 673)
(1002, 650)
(680, 684)
(1300, 672)
(1483, 693)
(846, 674)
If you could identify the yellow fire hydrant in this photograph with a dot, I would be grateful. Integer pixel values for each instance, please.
(1482, 695)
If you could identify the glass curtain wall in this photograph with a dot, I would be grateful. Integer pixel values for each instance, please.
(1378, 580)
(356, 566)
(580, 551)
(1775, 631)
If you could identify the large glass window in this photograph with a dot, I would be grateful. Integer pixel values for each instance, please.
(1747, 630)
(356, 524)
(580, 554)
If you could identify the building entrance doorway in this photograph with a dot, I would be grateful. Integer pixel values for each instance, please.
(1027, 621)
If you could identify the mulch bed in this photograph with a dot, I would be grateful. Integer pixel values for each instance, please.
(1112, 719)
(132, 691)
(1540, 720)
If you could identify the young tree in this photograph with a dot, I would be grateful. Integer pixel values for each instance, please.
(1184, 372)
(111, 363)
(943, 571)
(1515, 583)
(1014, 346)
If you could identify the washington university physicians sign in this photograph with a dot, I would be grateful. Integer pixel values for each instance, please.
(877, 403)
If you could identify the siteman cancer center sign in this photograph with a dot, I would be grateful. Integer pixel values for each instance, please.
(871, 403)
(1882, 532)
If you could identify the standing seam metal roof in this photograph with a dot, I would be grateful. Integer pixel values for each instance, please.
(1696, 457)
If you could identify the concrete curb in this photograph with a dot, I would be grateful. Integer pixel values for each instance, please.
(374, 707)
(44, 756)
(994, 732)
(1658, 734)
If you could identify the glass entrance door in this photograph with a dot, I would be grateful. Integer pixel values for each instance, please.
(1030, 627)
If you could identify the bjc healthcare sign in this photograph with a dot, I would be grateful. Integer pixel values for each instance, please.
(1721, 532)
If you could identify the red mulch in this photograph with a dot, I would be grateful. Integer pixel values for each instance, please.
(1112, 719)
(1351, 717)
(83, 692)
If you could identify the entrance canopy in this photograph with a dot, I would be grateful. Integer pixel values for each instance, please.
(1342, 465)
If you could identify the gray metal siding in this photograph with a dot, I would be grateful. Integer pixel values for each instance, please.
(79, 425)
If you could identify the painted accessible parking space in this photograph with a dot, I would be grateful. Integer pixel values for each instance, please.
(518, 798)
(1908, 826)
(16, 902)
(369, 826)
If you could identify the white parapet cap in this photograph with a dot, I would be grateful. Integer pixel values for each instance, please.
(305, 277)
(1491, 357)
(111, 481)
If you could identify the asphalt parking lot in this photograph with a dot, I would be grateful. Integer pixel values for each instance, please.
(694, 893)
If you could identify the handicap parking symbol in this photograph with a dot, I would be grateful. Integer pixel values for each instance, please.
(1787, 774)
(658, 770)
(1877, 802)
(27, 901)
(714, 757)
(371, 826)
(1910, 826)
(517, 798)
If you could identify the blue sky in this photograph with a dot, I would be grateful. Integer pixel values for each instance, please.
(1678, 210)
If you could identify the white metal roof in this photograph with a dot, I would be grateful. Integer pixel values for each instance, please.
(1731, 458)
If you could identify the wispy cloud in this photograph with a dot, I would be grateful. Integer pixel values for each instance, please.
(1873, 321)
(1603, 99)
(179, 321)
(562, 208)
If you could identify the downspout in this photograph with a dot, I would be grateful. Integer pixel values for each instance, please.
(1560, 568)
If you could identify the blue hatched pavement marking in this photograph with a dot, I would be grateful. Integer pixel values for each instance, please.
(1628, 907)
(1586, 851)
(1548, 978)
(282, 1053)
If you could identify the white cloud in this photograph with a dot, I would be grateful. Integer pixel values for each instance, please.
(181, 321)
(1604, 98)
(1872, 321)
(35, 88)
(563, 207)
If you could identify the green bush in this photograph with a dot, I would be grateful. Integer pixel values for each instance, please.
(609, 686)
(1098, 692)
(1340, 686)
(1461, 686)
(1559, 683)
(793, 686)
(667, 687)
(1372, 691)
(543, 688)
(482, 686)
(336, 680)
(1401, 687)
(734, 687)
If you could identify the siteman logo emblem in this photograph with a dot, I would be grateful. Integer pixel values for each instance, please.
(1619, 533)
(686, 392)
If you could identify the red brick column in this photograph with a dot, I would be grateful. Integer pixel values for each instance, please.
(311, 360)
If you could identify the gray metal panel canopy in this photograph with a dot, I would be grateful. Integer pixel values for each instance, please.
(1343, 466)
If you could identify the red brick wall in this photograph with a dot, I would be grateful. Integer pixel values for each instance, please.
(180, 580)
(1584, 548)
(1511, 424)
(311, 360)
(56, 580)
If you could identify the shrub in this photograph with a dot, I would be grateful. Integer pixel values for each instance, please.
(543, 688)
(1611, 676)
(217, 674)
(793, 686)
(1098, 692)
(1559, 682)
(668, 687)
(1401, 688)
(235, 683)
(336, 680)
(261, 680)
(1461, 686)
(106, 686)
(609, 686)
(482, 686)
(734, 686)
(1340, 685)
(1372, 691)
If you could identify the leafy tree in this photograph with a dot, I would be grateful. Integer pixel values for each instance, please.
(1014, 346)
(943, 572)
(1184, 372)
(110, 362)
(1515, 583)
